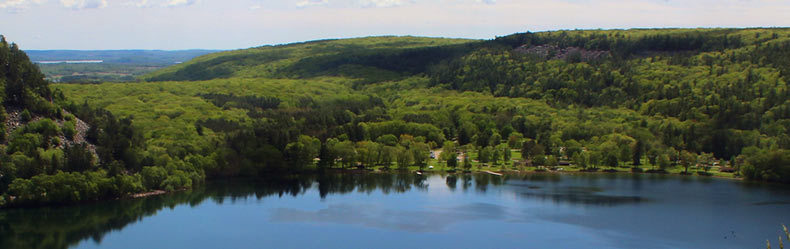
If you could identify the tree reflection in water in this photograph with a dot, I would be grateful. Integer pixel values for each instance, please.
(62, 227)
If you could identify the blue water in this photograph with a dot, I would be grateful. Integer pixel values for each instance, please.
(410, 211)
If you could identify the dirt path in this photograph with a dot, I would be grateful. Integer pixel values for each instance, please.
(436, 153)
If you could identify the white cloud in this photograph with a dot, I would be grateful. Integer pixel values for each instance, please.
(15, 6)
(140, 4)
(175, 3)
(486, 1)
(13, 3)
(384, 3)
(255, 7)
(84, 4)
(277, 20)
(309, 3)
(161, 3)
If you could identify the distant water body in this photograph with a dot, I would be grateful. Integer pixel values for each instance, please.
(70, 61)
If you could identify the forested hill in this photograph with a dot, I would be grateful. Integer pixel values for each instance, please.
(666, 100)
(52, 150)
(380, 58)
(706, 90)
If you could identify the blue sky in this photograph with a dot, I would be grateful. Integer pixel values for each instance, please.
(230, 24)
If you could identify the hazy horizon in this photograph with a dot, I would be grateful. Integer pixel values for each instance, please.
(339, 38)
(238, 24)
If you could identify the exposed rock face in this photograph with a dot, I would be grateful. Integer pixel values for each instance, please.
(82, 130)
(14, 121)
(552, 52)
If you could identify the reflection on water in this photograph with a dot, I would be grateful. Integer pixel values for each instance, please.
(600, 210)
(61, 227)
(374, 216)
(576, 196)
(772, 203)
(586, 195)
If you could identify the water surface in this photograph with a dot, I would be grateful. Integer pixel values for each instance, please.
(412, 211)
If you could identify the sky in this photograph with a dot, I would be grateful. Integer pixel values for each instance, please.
(234, 24)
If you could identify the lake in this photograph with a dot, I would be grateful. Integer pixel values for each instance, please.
(421, 211)
(70, 61)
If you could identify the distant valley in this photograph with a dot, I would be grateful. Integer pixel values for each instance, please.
(94, 66)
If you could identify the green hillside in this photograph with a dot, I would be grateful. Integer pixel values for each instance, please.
(52, 151)
(697, 101)
(361, 56)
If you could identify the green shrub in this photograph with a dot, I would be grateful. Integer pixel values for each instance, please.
(23, 190)
(68, 130)
(178, 180)
(78, 158)
(26, 167)
(7, 175)
(153, 177)
(25, 116)
(39, 105)
(25, 143)
(129, 184)
(54, 141)
(52, 159)
(65, 187)
(46, 127)
(767, 165)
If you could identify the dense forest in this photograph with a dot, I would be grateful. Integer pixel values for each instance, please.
(719, 96)
(54, 151)
(690, 101)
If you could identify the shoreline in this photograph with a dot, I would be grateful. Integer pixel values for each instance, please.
(411, 171)
(517, 172)
(149, 193)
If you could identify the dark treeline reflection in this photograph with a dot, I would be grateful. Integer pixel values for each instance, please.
(62, 227)
(578, 191)
(481, 181)
(555, 187)
(66, 226)
(585, 196)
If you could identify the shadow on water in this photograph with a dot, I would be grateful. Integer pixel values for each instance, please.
(572, 195)
(62, 227)
(551, 187)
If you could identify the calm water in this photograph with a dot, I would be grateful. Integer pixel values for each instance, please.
(411, 211)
